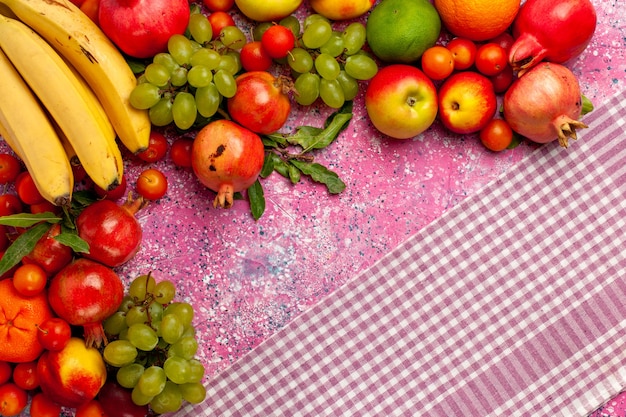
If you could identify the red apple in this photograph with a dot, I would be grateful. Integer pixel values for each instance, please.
(401, 101)
(342, 10)
(141, 28)
(467, 102)
(73, 375)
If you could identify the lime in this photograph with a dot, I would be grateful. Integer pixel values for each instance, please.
(401, 30)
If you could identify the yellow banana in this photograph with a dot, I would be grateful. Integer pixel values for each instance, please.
(63, 96)
(26, 128)
(82, 42)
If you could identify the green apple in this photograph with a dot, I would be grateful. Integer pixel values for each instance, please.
(401, 101)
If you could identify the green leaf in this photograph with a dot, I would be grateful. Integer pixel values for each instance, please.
(257, 199)
(22, 246)
(29, 219)
(321, 174)
(268, 165)
(294, 174)
(74, 241)
(315, 138)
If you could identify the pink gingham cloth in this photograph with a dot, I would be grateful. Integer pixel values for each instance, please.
(510, 304)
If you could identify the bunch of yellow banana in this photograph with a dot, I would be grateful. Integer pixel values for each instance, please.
(66, 91)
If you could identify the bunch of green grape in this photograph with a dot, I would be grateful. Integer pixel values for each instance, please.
(192, 77)
(327, 63)
(153, 346)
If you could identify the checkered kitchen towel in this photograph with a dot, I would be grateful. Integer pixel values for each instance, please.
(510, 304)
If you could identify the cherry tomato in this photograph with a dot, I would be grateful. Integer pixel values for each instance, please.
(278, 41)
(92, 408)
(219, 20)
(491, 58)
(497, 135)
(157, 148)
(27, 190)
(10, 204)
(25, 375)
(505, 40)
(90, 8)
(180, 152)
(502, 80)
(219, 5)
(10, 168)
(5, 372)
(42, 406)
(437, 62)
(13, 399)
(79, 173)
(463, 51)
(29, 279)
(45, 206)
(152, 184)
(54, 333)
(114, 194)
(4, 239)
(254, 57)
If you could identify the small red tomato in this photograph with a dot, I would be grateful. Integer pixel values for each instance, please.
(152, 184)
(4, 238)
(10, 167)
(502, 80)
(254, 57)
(25, 375)
(13, 399)
(114, 194)
(5, 372)
(219, 5)
(29, 279)
(180, 152)
(491, 58)
(27, 190)
(45, 206)
(42, 406)
(463, 51)
(497, 135)
(79, 173)
(157, 148)
(505, 40)
(278, 41)
(54, 333)
(437, 62)
(10, 204)
(219, 20)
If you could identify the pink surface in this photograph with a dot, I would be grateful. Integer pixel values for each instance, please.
(248, 278)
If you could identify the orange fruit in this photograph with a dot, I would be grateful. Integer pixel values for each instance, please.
(478, 20)
(20, 317)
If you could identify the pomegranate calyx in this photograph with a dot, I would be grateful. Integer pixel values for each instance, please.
(525, 53)
(567, 131)
(225, 197)
(94, 335)
(133, 205)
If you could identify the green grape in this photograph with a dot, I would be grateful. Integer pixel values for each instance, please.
(119, 353)
(152, 381)
(128, 375)
(178, 77)
(331, 93)
(196, 373)
(195, 46)
(300, 60)
(185, 347)
(360, 66)
(235, 57)
(199, 76)
(308, 87)
(327, 66)
(157, 74)
(165, 291)
(139, 398)
(142, 336)
(193, 392)
(200, 28)
(115, 323)
(313, 17)
(334, 46)
(177, 369)
(292, 23)
(165, 59)
(161, 113)
(207, 57)
(259, 30)
(155, 311)
(317, 33)
(184, 110)
(208, 100)
(233, 38)
(229, 64)
(180, 47)
(127, 304)
(225, 83)
(168, 401)
(354, 36)
(183, 310)
(144, 96)
(137, 314)
(171, 328)
(349, 85)
(189, 331)
(141, 286)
